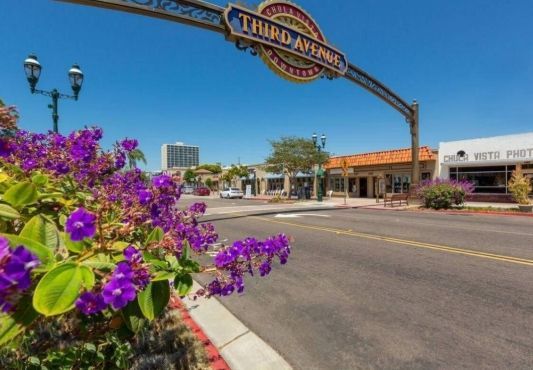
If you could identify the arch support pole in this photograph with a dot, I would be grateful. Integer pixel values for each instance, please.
(415, 147)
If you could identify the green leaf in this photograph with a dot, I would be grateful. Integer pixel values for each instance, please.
(155, 236)
(3, 177)
(164, 275)
(88, 277)
(42, 252)
(100, 262)
(190, 266)
(186, 252)
(60, 287)
(133, 317)
(34, 361)
(14, 324)
(43, 230)
(53, 195)
(75, 247)
(119, 245)
(39, 179)
(154, 298)
(183, 284)
(8, 212)
(89, 347)
(21, 194)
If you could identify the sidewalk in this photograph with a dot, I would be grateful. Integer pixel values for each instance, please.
(240, 348)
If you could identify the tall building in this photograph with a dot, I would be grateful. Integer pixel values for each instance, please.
(179, 156)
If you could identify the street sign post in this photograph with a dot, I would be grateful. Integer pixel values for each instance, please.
(344, 165)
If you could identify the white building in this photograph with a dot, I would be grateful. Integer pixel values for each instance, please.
(487, 162)
(179, 156)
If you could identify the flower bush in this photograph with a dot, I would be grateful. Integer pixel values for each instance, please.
(520, 187)
(443, 194)
(82, 237)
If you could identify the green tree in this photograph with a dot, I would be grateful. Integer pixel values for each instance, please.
(134, 157)
(209, 183)
(291, 155)
(214, 168)
(189, 176)
(235, 172)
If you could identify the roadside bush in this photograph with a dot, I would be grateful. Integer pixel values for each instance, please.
(520, 187)
(443, 194)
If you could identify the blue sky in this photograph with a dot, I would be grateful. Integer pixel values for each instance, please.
(468, 63)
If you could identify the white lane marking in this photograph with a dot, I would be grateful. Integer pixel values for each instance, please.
(297, 215)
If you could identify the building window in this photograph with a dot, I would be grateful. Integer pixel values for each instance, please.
(336, 184)
(490, 179)
(400, 183)
(275, 184)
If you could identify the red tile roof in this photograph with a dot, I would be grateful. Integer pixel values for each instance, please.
(380, 158)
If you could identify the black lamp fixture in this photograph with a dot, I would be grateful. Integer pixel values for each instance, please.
(75, 75)
(33, 68)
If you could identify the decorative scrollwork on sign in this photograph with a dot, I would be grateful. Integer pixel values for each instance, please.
(185, 8)
(244, 46)
(329, 75)
(193, 12)
(363, 79)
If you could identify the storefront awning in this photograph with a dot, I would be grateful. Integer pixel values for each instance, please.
(305, 174)
(273, 176)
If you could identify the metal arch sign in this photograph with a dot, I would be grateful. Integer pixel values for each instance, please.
(291, 43)
(306, 57)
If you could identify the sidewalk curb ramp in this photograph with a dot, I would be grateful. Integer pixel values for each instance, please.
(239, 347)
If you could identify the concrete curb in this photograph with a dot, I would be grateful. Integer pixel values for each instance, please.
(240, 348)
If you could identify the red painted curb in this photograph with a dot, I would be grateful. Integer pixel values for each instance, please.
(489, 213)
(216, 360)
(481, 213)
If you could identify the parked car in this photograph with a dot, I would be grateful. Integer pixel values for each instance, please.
(202, 191)
(231, 193)
(187, 189)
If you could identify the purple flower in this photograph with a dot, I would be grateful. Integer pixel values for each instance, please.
(80, 153)
(120, 160)
(140, 273)
(132, 254)
(81, 224)
(5, 148)
(19, 266)
(198, 208)
(162, 181)
(123, 271)
(15, 268)
(144, 196)
(141, 277)
(29, 164)
(129, 144)
(61, 168)
(90, 303)
(118, 292)
(265, 268)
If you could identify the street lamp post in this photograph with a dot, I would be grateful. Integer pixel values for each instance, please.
(255, 182)
(320, 172)
(33, 68)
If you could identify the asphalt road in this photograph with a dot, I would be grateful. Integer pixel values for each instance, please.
(369, 289)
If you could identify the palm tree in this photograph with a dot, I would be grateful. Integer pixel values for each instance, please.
(135, 156)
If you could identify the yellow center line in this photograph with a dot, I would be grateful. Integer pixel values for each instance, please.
(412, 243)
